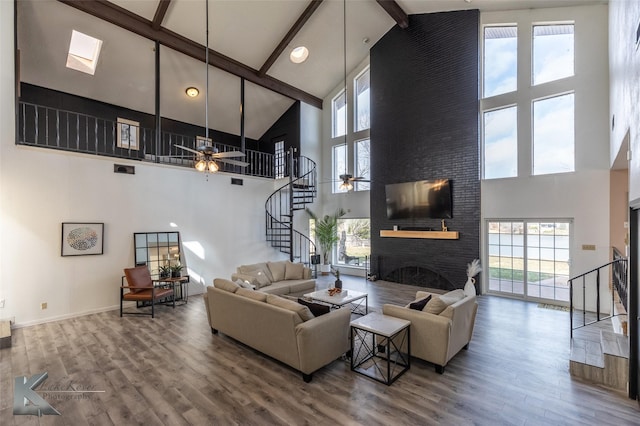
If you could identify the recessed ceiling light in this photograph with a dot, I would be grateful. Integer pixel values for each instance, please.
(84, 51)
(299, 55)
(192, 92)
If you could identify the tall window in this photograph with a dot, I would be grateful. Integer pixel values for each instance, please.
(339, 114)
(355, 241)
(529, 258)
(500, 60)
(279, 160)
(509, 111)
(501, 143)
(553, 56)
(553, 135)
(339, 162)
(362, 119)
(362, 164)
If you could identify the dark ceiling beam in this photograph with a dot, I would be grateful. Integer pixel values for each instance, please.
(290, 35)
(129, 21)
(395, 11)
(161, 11)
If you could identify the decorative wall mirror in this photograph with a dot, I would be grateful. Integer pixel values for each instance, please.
(158, 250)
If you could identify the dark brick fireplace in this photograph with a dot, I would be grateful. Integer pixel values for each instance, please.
(424, 108)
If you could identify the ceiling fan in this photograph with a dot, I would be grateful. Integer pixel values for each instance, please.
(207, 156)
(348, 179)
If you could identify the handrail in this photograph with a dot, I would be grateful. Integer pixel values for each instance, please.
(60, 129)
(613, 264)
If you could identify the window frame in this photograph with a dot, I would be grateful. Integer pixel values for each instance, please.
(334, 114)
(356, 110)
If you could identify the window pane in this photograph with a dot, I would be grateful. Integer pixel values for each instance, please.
(362, 168)
(339, 112)
(339, 166)
(553, 135)
(279, 160)
(552, 52)
(500, 60)
(501, 143)
(355, 241)
(362, 101)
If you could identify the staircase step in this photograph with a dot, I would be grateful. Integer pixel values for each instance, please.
(614, 344)
(587, 352)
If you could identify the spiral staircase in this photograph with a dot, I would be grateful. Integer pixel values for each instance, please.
(299, 191)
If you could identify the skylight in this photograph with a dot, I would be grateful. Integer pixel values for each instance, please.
(83, 52)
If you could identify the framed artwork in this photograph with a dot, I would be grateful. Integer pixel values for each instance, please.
(128, 134)
(81, 238)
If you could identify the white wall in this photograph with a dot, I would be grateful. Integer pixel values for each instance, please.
(624, 70)
(584, 194)
(40, 189)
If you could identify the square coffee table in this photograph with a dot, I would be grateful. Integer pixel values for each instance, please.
(346, 297)
(380, 347)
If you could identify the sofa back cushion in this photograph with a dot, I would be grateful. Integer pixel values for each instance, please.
(251, 269)
(302, 311)
(226, 285)
(293, 271)
(440, 302)
(252, 294)
(277, 270)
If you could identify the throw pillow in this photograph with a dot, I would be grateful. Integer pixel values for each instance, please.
(277, 270)
(316, 309)
(250, 294)
(435, 305)
(262, 279)
(293, 271)
(303, 312)
(250, 269)
(226, 285)
(419, 304)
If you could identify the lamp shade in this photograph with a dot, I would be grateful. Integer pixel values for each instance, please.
(201, 165)
(212, 166)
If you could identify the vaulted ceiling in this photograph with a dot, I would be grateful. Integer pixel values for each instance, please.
(247, 38)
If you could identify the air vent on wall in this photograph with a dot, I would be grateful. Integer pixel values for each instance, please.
(120, 168)
(236, 181)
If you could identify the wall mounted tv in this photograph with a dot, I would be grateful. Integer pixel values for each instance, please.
(424, 199)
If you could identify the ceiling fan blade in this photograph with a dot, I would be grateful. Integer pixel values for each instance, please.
(228, 154)
(233, 162)
(187, 149)
(360, 179)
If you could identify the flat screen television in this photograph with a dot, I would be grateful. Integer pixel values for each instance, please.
(424, 199)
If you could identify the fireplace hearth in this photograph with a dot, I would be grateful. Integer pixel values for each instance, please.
(419, 276)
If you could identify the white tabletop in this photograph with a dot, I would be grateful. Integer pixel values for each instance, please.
(383, 325)
(346, 296)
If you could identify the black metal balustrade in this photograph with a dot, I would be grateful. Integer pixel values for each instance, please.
(53, 128)
(613, 273)
(620, 281)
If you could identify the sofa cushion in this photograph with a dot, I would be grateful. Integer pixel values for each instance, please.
(252, 294)
(303, 312)
(439, 303)
(317, 309)
(277, 270)
(297, 286)
(293, 271)
(250, 269)
(226, 285)
(419, 304)
(245, 284)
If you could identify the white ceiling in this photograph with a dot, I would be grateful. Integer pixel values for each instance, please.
(244, 30)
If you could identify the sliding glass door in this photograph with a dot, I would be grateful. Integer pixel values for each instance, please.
(529, 258)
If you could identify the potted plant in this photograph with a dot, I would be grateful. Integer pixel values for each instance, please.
(176, 270)
(327, 235)
(165, 271)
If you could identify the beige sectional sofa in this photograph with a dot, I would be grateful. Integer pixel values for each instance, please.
(282, 277)
(438, 337)
(278, 327)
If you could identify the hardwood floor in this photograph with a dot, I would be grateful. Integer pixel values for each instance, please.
(171, 370)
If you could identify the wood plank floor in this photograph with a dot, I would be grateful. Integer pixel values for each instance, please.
(171, 370)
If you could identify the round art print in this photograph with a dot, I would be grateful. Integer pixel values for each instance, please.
(83, 238)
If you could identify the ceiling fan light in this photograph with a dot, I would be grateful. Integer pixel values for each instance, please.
(201, 165)
(299, 55)
(345, 186)
(192, 92)
(212, 166)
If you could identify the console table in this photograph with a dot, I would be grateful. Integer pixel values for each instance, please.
(182, 281)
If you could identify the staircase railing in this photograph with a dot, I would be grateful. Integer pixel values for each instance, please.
(284, 201)
(614, 270)
(620, 282)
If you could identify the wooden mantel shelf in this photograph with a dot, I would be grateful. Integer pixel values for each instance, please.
(440, 235)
